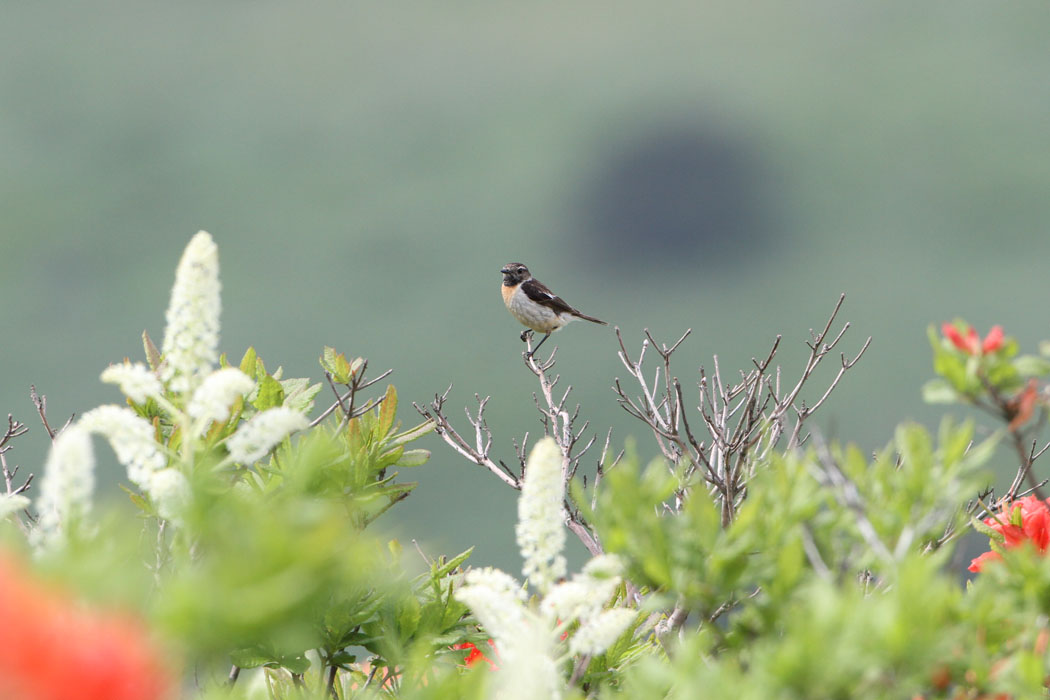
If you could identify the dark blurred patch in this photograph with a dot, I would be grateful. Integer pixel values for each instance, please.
(693, 195)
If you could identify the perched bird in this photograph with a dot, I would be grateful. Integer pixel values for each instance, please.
(535, 306)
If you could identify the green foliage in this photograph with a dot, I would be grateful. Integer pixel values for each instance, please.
(825, 510)
(968, 375)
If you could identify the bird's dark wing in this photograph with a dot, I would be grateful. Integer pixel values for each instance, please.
(538, 292)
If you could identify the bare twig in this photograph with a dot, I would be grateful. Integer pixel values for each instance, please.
(40, 401)
(477, 453)
(744, 420)
(346, 402)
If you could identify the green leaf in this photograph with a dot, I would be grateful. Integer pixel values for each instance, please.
(299, 394)
(408, 618)
(413, 458)
(411, 434)
(988, 530)
(388, 410)
(982, 452)
(248, 362)
(938, 391)
(257, 656)
(1031, 366)
(438, 572)
(153, 357)
(137, 499)
(337, 366)
(914, 445)
(342, 659)
(269, 395)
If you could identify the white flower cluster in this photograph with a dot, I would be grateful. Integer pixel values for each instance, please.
(525, 640)
(258, 436)
(212, 399)
(497, 600)
(541, 528)
(67, 486)
(131, 438)
(191, 338)
(528, 637)
(170, 492)
(136, 381)
(584, 596)
(598, 633)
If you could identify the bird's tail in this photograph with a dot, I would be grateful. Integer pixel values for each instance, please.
(592, 319)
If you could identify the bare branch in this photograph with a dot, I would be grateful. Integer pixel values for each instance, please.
(40, 401)
(744, 420)
(478, 453)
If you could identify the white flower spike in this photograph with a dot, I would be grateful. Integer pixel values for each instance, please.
(131, 438)
(67, 486)
(541, 528)
(191, 338)
(136, 381)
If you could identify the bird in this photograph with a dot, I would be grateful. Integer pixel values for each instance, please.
(535, 306)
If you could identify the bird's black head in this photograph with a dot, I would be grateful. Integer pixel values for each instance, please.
(515, 273)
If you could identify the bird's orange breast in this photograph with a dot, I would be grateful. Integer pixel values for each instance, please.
(508, 292)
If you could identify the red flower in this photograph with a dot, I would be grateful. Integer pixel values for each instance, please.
(971, 343)
(993, 341)
(476, 654)
(55, 649)
(1026, 520)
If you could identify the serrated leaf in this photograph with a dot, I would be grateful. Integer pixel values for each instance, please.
(411, 434)
(327, 360)
(388, 410)
(299, 394)
(413, 458)
(336, 365)
(438, 572)
(988, 530)
(269, 395)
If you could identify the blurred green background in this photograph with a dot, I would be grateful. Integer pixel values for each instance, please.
(367, 168)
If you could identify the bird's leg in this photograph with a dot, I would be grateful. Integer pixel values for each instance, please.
(525, 334)
(533, 351)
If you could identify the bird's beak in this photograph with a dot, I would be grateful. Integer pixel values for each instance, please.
(505, 270)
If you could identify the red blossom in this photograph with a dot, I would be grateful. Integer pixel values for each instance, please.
(1025, 520)
(971, 342)
(475, 655)
(54, 649)
(993, 341)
